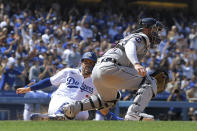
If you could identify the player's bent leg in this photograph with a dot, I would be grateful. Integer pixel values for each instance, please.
(99, 116)
(82, 115)
(92, 103)
(39, 116)
(46, 117)
(26, 115)
(28, 108)
(142, 99)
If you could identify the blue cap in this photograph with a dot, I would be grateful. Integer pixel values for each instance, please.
(147, 22)
(89, 55)
(60, 66)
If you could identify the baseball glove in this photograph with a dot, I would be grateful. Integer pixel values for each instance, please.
(162, 79)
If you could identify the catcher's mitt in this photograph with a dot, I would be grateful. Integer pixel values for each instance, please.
(162, 79)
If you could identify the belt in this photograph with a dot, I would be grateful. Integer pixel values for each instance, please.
(111, 60)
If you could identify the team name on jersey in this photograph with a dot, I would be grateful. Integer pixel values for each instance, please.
(72, 83)
(86, 88)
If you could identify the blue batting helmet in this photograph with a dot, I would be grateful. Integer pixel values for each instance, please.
(89, 55)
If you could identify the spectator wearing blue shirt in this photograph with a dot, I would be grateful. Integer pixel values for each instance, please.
(119, 35)
(191, 88)
(10, 37)
(41, 47)
(73, 58)
(9, 77)
(20, 81)
(176, 95)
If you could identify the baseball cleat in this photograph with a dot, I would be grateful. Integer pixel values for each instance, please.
(39, 117)
(59, 117)
(139, 117)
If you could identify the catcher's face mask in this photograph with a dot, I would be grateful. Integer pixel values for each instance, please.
(155, 31)
(154, 28)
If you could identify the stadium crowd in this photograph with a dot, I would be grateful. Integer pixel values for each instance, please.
(36, 41)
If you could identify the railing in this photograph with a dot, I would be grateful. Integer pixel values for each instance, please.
(22, 100)
(159, 104)
(121, 104)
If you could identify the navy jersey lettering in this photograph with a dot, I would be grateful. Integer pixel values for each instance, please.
(72, 83)
(86, 88)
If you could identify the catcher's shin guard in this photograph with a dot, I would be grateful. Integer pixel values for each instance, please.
(144, 95)
(92, 103)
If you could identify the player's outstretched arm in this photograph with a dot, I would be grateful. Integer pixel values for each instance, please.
(23, 90)
(37, 86)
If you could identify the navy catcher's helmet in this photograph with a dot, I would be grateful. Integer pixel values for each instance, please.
(152, 24)
(89, 55)
(147, 22)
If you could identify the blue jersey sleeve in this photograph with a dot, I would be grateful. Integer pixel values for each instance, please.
(41, 84)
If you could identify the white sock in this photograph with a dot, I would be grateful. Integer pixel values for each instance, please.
(26, 115)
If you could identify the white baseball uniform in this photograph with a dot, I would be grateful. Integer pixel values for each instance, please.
(72, 87)
(29, 108)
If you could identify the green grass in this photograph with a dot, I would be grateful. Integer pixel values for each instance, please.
(97, 126)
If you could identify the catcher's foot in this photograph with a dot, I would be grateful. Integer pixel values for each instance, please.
(139, 117)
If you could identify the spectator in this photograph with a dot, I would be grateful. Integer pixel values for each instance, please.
(176, 95)
(20, 81)
(191, 88)
(66, 52)
(46, 37)
(73, 59)
(85, 31)
(151, 68)
(193, 39)
(34, 70)
(9, 76)
(187, 70)
(46, 69)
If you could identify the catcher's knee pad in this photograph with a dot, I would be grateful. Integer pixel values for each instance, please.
(92, 103)
(96, 102)
(144, 95)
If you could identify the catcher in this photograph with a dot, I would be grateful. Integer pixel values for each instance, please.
(120, 68)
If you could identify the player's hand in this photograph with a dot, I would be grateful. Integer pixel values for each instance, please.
(23, 90)
(140, 69)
